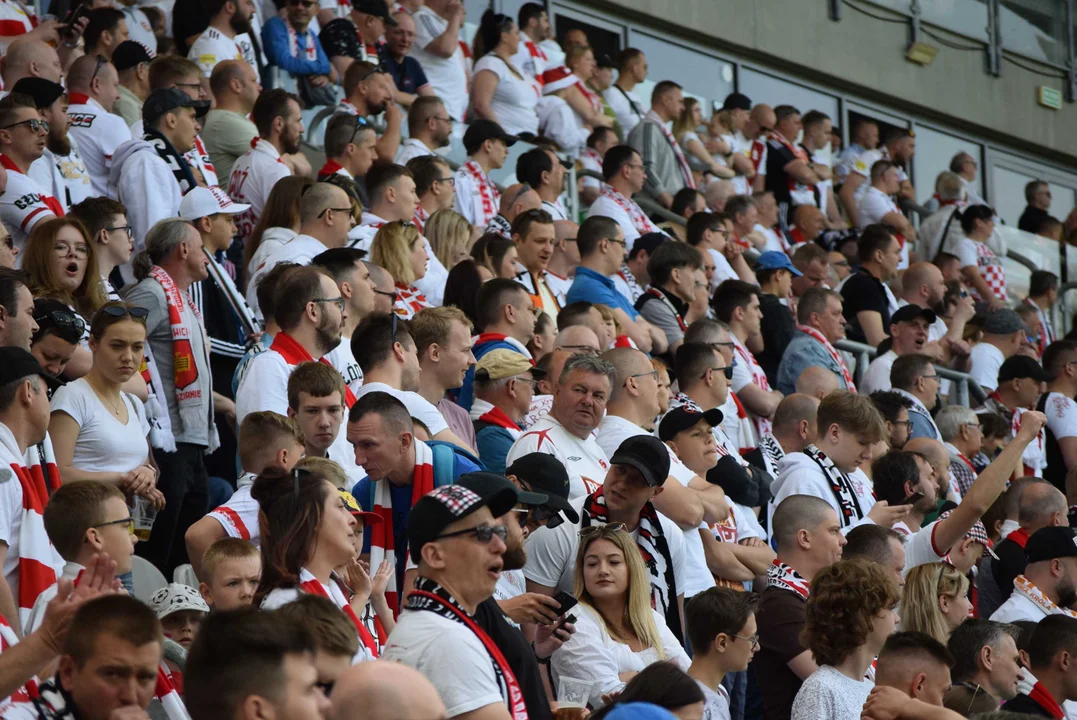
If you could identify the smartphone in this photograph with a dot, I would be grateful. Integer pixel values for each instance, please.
(567, 602)
(914, 498)
(568, 619)
(72, 18)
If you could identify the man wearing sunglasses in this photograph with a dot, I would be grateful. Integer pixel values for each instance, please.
(57, 337)
(93, 86)
(24, 202)
(60, 170)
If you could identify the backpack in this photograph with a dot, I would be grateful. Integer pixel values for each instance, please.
(444, 465)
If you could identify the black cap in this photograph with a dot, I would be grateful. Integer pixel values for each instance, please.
(445, 505)
(44, 92)
(737, 101)
(647, 454)
(377, 8)
(1003, 322)
(684, 418)
(488, 483)
(1051, 542)
(1022, 366)
(128, 54)
(16, 363)
(165, 100)
(908, 313)
(547, 474)
(482, 130)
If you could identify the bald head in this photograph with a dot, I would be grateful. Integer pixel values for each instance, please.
(29, 57)
(763, 116)
(565, 230)
(385, 691)
(628, 362)
(529, 200)
(923, 282)
(795, 409)
(717, 193)
(80, 75)
(796, 513)
(1041, 505)
(933, 450)
(817, 382)
(576, 337)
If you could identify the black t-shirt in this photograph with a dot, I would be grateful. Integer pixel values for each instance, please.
(777, 180)
(864, 291)
(1025, 705)
(1011, 563)
(1032, 219)
(780, 618)
(519, 655)
(777, 328)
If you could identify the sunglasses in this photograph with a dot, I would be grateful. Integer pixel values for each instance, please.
(360, 123)
(118, 311)
(482, 533)
(550, 516)
(610, 529)
(62, 319)
(727, 371)
(304, 3)
(35, 125)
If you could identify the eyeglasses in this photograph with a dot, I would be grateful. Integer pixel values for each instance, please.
(373, 71)
(646, 374)
(63, 249)
(128, 521)
(930, 377)
(752, 641)
(347, 210)
(521, 515)
(390, 295)
(193, 86)
(123, 310)
(97, 68)
(482, 533)
(304, 3)
(578, 349)
(62, 319)
(338, 301)
(727, 371)
(126, 228)
(619, 242)
(35, 124)
(451, 180)
(609, 529)
(443, 119)
(543, 514)
(519, 193)
(719, 345)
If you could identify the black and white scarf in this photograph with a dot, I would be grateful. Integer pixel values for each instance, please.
(772, 453)
(653, 547)
(783, 577)
(840, 485)
(176, 162)
(430, 597)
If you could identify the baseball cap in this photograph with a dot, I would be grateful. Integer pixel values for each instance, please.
(16, 363)
(128, 54)
(1003, 322)
(1051, 542)
(774, 260)
(639, 711)
(174, 598)
(1022, 366)
(44, 92)
(165, 100)
(978, 533)
(202, 202)
(546, 474)
(908, 313)
(647, 454)
(352, 504)
(482, 130)
(488, 483)
(502, 363)
(445, 505)
(684, 417)
(377, 8)
(737, 101)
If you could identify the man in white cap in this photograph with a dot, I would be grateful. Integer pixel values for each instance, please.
(229, 320)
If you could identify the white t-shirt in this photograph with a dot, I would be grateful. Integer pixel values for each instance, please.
(986, 360)
(715, 704)
(451, 657)
(626, 106)
(872, 206)
(829, 695)
(213, 47)
(514, 97)
(411, 148)
(301, 249)
(342, 359)
(239, 516)
(1061, 414)
(530, 59)
(878, 375)
(98, 133)
(611, 433)
(253, 176)
(920, 547)
(418, 406)
(584, 460)
(448, 76)
(551, 552)
(104, 444)
(722, 269)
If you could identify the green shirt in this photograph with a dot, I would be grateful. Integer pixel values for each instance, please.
(128, 106)
(227, 136)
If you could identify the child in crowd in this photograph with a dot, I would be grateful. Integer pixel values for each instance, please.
(334, 635)
(181, 610)
(722, 631)
(231, 568)
(266, 440)
(83, 519)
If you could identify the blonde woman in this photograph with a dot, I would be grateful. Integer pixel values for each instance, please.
(617, 632)
(450, 235)
(686, 132)
(398, 247)
(935, 600)
(721, 131)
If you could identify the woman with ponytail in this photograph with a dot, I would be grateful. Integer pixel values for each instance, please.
(499, 90)
(980, 267)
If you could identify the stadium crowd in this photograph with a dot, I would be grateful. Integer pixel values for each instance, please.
(383, 440)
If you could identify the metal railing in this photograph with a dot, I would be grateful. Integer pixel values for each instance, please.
(1063, 308)
(965, 387)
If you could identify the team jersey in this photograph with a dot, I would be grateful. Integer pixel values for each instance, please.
(14, 20)
(98, 134)
(253, 177)
(24, 203)
(239, 516)
(584, 460)
(212, 47)
(65, 177)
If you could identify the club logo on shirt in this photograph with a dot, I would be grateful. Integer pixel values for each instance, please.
(28, 200)
(574, 458)
(81, 119)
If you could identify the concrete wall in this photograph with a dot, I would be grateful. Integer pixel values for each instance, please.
(865, 57)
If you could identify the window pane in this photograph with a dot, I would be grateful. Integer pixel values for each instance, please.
(967, 17)
(763, 88)
(934, 150)
(710, 79)
(1035, 29)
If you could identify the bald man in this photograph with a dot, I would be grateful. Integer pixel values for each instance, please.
(939, 458)
(809, 223)
(817, 382)
(566, 256)
(93, 89)
(516, 199)
(923, 285)
(1041, 505)
(794, 429)
(384, 289)
(385, 691)
(30, 57)
(577, 338)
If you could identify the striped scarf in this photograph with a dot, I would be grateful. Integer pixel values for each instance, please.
(9, 639)
(682, 162)
(834, 354)
(294, 353)
(239, 305)
(165, 692)
(381, 534)
(38, 561)
(840, 485)
(783, 577)
(640, 221)
(312, 586)
(50, 701)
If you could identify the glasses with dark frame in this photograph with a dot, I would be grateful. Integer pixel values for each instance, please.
(338, 301)
(121, 311)
(101, 60)
(727, 371)
(63, 319)
(128, 521)
(483, 533)
(36, 125)
(126, 228)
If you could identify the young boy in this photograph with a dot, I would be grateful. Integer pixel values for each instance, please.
(232, 568)
(181, 611)
(335, 641)
(83, 519)
(721, 628)
(266, 440)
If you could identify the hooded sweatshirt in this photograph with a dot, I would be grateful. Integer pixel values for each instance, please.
(144, 183)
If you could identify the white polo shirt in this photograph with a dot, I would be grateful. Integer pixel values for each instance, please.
(584, 460)
(98, 133)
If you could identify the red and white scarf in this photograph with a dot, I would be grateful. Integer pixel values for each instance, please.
(488, 194)
(834, 354)
(783, 577)
(1019, 536)
(50, 701)
(165, 691)
(496, 416)
(639, 219)
(1024, 587)
(312, 586)
(759, 379)
(381, 534)
(310, 52)
(664, 299)
(840, 485)
(294, 353)
(9, 639)
(428, 596)
(682, 161)
(38, 560)
(421, 216)
(518, 346)
(409, 300)
(592, 155)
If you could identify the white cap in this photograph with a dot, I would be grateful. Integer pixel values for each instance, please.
(202, 202)
(176, 597)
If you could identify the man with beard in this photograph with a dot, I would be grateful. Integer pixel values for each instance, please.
(277, 116)
(150, 175)
(23, 203)
(357, 287)
(368, 91)
(922, 284)
(909, 328)
(538, 613)
(228, 128)
(227, 19)
(429, 128)
(60, 170)
(1049, 584)
(406, 72)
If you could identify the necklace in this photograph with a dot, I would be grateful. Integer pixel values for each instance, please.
(116, 410)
